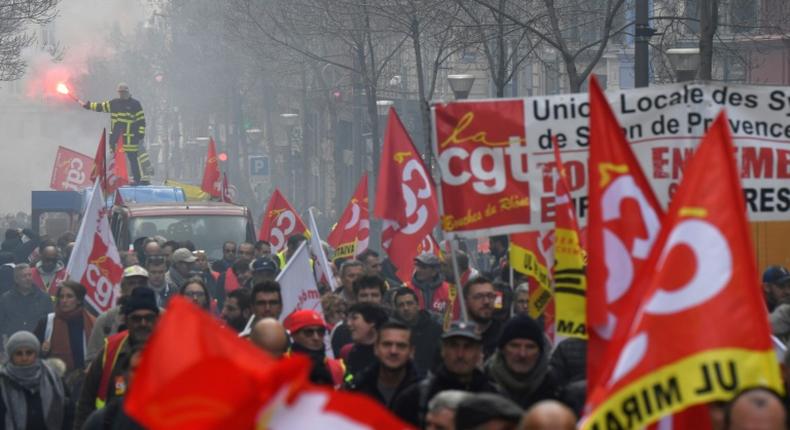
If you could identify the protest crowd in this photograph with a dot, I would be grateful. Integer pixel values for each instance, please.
(450, 336)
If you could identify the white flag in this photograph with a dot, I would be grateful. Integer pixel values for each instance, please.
(322, 269)
(95, 262)
(298, 286)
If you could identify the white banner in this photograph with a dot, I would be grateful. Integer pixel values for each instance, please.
(95, 262)
(663, 124)
(298, 286)
(322, 269)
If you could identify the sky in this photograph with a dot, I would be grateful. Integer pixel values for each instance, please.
(33, 120)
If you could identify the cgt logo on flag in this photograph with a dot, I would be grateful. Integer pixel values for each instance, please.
(71, 171)
(100, 274)
(700, 331)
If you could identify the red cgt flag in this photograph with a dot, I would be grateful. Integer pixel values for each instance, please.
(700, 332)
(352, 233)
(405, 197)
(119, 175)
(195, 374)
(95, 262)
(212, 178)
(624, 220)
(280, 221)
(100, 159)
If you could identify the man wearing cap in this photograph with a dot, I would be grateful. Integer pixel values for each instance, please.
(776, 286)
(264, 269)
(461, 351)
(181, 263)
(106, 377)
(520, 366)
(433, 293)
(111, 321)
(127, 122)
(307, 330)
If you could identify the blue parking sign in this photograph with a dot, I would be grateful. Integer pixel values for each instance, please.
(259, 165)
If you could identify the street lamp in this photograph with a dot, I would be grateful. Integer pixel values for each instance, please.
(461, 85)
(289, 119)
(383, 106)
(685, 62)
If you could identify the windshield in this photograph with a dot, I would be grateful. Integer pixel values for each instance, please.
(206, 232)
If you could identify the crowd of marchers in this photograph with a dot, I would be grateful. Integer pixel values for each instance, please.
(402, 342)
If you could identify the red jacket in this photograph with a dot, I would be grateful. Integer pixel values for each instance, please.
(440, 302)
(52, 288)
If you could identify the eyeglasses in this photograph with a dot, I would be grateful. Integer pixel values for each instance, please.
(137, 319)
(310, 332)
(195, 294)
(267, 303)
(481, 296)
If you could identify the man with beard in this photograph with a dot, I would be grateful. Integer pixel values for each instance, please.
(393, 369)
(308, 330)
(111, 321)
(424, 330)
(181, 263)
(106, 377)
(236, 309)
(433, 293)
(520, 366)
(480, 296)
(461, 351)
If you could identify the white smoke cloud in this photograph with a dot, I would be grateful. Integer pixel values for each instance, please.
(34, 120)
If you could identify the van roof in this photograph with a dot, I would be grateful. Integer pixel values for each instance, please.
(184, 208)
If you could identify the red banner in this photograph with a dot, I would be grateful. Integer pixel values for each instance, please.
(352, 233)
(405, 198)
(481, 150)
(280, 221)
(700, 332)
(72, 170)
(212, 179)
(624, 220)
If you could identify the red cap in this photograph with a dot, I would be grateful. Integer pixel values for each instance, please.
(301, 319)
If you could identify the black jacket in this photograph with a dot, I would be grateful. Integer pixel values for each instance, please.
(411, 405)
(425, 334)
(366, 382)
(491, 337)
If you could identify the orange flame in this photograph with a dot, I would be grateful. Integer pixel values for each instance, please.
(62, 88)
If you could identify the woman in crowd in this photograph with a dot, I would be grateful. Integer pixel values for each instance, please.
(195, 289)
(64, 333)
(31, 391)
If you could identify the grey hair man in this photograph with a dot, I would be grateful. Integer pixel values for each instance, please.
(442, 407)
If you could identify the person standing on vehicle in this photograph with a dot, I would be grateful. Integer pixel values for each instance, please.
(127, 121)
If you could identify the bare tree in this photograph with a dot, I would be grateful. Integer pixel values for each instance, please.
(16, 16)
(579, 30)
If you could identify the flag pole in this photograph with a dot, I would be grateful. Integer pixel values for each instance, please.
(447, 237)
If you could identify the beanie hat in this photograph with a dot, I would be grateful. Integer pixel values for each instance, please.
(141, 298)
(521, 327)
(20, 339)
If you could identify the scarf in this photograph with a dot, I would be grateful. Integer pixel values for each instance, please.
(428, 288)
(319, 374)
(39, 379)
(70, 331)
(518, 387)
